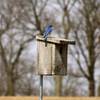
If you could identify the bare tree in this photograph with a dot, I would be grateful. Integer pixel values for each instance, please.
(12, 48)
(66, 25)
(86, 35)
(18, 23)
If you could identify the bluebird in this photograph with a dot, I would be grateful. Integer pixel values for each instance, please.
(47, 31)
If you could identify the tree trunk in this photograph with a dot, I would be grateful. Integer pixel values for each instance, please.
(99, 89)
(91, 88)
(58, 85)
(10, 85)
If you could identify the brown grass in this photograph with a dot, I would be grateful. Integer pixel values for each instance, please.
(49, 98)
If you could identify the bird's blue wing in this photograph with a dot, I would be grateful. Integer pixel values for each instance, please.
(48, 30)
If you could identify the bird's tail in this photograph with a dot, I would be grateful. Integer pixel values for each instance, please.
(44, 34)
(45, 42)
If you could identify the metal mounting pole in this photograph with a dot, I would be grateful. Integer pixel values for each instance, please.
(41, 87)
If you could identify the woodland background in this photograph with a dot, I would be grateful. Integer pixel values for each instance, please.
(21, 20)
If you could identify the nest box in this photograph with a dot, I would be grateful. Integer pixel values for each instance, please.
(52, 59)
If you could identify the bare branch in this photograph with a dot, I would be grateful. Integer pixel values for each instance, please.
(3, 56)
(81, 49)
(37, 20)
(22, 47)
(43, 7)
(79, 63)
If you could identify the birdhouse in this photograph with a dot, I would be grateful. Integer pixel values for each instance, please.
(52, 59)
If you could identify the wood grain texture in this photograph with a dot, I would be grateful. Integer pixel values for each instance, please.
(56, 40)
(44, 58)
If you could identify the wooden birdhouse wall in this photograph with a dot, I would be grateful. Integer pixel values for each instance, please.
(44, 58)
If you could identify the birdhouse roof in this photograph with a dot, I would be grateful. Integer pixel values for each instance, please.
(55, 40)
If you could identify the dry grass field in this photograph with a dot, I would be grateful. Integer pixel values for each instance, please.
(48, 98)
